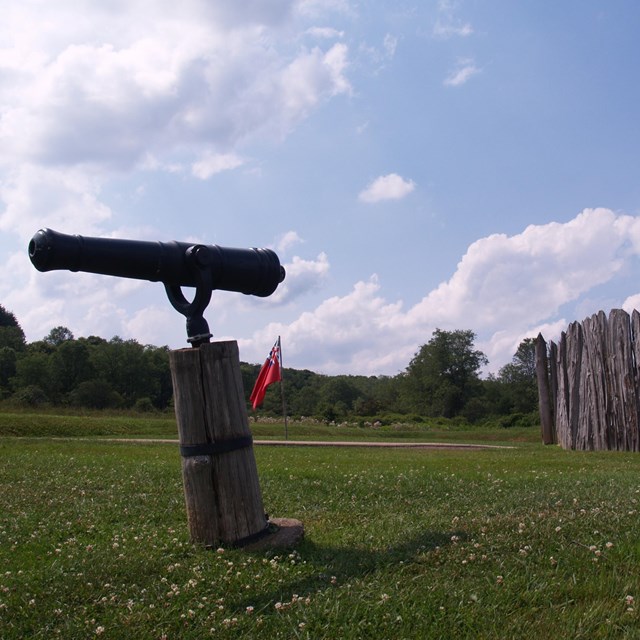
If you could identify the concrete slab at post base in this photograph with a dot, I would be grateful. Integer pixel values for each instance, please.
(284, 533)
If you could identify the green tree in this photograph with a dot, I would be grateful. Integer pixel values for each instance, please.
(58, 335)
(11, 333)
(133, 370)
(7, 366)
(301, 389)
(444, 374)
(519, 378)
(70, 365)
(337, 397)
(33, 370)
(161, 386)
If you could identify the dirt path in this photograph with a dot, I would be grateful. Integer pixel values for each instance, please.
(397, 445)
(325, 443)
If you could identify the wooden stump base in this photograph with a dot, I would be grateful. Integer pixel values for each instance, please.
(220, 476)
(284, 533)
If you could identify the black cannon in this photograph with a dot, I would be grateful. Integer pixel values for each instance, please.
(176, 264)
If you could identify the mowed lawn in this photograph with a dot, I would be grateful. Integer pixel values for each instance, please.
(524, 542)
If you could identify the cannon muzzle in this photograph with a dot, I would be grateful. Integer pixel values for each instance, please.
(176, 264)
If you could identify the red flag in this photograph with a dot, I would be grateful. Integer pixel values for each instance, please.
(269, 374)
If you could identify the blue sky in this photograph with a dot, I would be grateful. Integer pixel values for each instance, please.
(416, 165)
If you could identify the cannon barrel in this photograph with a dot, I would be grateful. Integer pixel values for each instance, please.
(251, 271)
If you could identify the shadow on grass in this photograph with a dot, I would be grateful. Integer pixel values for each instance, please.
(334, 566)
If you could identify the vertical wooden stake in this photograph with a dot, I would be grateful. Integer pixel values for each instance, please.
(544, 399)
(221, 485)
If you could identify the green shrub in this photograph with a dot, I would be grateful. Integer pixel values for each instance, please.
(519, 420)
(144, 405)
(31, 395)
(95, 394)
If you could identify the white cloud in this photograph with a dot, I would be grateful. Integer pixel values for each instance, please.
(92, 93)
(302, 277)
(527, 277)
(151, 322)
(389, 187)
(344, 333)
(315, 8)
(631, 303)
(447, 25)
(390, 44)
(464, 70)
(310, 77)
(157, 87)
(379, 56)
(288, 240)
(325, 32)
(447, 30)
(212, 163)
(505, 288)
(65, 199)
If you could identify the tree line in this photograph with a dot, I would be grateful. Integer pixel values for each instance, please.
(442, 380)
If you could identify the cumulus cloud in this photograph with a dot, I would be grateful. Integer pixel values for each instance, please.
(343, 333)
(151, 322)
(111, 88)
(632, 302)
(389, 187)
(66, 199)
(464, 70)
(529, 276)
(288, 240)
(505, 288)
(303, 276)
(95, 94)
(180, 80)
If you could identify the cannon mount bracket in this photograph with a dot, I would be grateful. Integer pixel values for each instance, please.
(199, 259)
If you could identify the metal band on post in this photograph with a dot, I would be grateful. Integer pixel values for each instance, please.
(215, 448)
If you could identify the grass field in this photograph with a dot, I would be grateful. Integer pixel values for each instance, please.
(530, 541)
(164, 426)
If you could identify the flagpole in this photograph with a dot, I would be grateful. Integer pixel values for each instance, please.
(284, 404)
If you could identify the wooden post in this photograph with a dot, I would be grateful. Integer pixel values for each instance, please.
(622, 369)
(562, 395)
(553, 384)
(635, 332)
(574, 373)
(221, 485)
(544, 400)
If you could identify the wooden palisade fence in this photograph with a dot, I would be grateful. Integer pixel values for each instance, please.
(589, 384)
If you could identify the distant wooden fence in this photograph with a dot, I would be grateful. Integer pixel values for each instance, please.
(589, 384)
